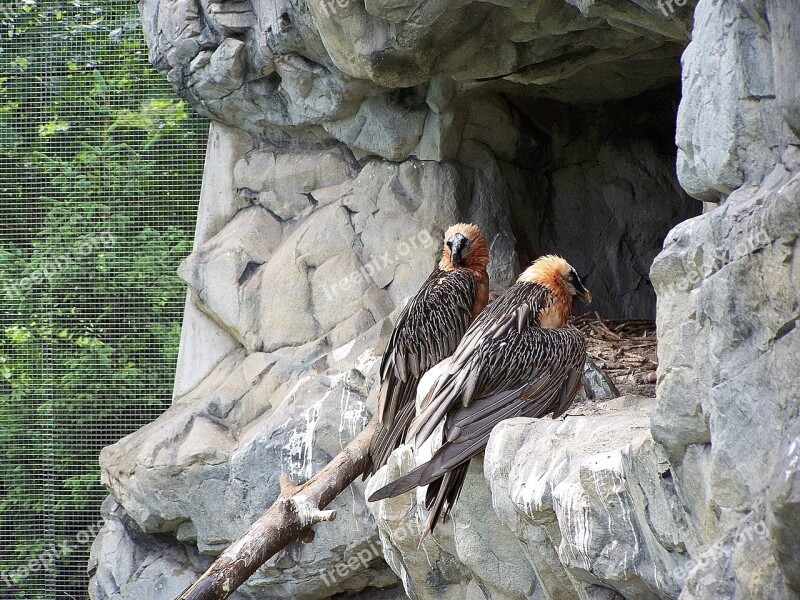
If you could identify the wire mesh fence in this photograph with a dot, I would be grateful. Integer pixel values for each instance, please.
(100, 166)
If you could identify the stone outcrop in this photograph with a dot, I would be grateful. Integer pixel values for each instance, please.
(577, 508)
(346, 136)
(378, 76)
(728, 285)
(466, 84)
(738, 74)
(728, 288)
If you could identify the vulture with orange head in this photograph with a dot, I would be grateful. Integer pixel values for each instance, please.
(518, 359)
(427, 331)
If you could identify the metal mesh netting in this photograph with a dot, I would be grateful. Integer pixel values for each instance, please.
(100, 167)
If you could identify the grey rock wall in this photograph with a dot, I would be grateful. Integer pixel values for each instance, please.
(360, 72)
(737, 74)
(346, 136)
(577, 508)
(443, 82)
(728, 302)
(729, 299)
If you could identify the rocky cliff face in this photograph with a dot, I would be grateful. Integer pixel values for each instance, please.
(346, 136)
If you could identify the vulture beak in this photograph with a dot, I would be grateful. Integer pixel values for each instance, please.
(582, 292)
(458, 244)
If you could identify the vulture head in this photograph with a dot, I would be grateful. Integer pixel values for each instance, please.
(464, 246)
(558, 275)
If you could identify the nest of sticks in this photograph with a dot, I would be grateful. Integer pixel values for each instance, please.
(625, 349)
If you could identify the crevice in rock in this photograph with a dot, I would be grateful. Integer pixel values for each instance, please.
(249, 270)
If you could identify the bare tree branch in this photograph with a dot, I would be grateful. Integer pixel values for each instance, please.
(289, 518)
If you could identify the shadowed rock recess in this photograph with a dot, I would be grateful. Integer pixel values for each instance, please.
(346, 135)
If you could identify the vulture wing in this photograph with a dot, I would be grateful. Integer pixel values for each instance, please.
(428, 330)
(528, 374)
(506, 366)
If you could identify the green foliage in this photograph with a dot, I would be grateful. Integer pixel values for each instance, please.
(99, 164)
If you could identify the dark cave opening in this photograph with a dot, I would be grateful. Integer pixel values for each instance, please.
(601, 190)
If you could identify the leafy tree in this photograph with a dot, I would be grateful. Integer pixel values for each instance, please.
(100, 166)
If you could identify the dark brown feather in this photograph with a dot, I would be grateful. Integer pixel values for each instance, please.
(432, 323)
(505, 366)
